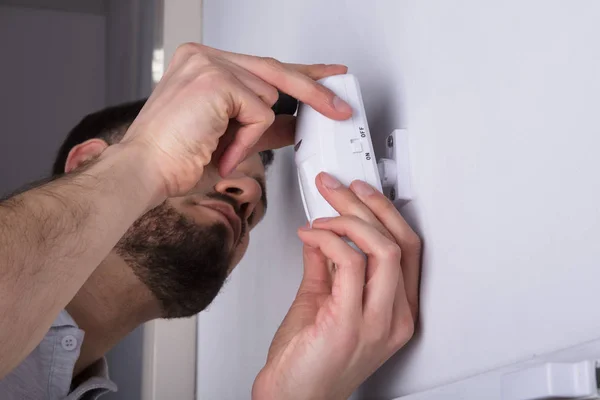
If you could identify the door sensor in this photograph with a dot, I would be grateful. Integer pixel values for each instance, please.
(344, 149)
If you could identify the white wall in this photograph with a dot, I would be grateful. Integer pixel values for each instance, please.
(49, 79)
(501, 100)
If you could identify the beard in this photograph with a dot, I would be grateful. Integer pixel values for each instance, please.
(182, 263)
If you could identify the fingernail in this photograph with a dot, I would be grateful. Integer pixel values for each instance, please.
(362, 189)
(329, 181)
(304, 228)
(324, 219)
(341, 106)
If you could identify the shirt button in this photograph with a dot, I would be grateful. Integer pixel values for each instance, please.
(69, 342)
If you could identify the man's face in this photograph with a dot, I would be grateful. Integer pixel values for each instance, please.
(184, 249)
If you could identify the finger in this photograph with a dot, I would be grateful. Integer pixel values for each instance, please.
(267, 93)
(348, 283)
(294, 83)
(403, 318)
(383, 258)
(184, 53)
(254, 117)
(318, 71)
(314, 289)
(278, 135)
(407, 239)
(345, 201)
(316, 278)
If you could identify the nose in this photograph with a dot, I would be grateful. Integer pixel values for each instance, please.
(245, 190)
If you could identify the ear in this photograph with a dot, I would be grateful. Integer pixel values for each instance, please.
(84, 152)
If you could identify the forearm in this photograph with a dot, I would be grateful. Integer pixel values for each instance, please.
(54, 236)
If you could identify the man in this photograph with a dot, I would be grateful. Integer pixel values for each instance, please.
(154, 211)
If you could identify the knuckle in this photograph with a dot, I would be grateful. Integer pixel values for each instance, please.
(414, 242)
(391, 252)
(214, 74)
(272, 62)
(187, 48)
(414, 309)
(199, 59)
(404, 331)
(269, 117)
(387, 234)
(354, 259)
(271, 96)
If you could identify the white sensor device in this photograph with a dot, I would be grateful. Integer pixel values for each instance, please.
(340, 148)
(344, 150)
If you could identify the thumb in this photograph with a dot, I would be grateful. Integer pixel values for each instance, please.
(279, 134)
(317, 277)
(307, 302)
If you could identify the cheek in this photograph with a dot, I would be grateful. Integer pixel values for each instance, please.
(210, 177)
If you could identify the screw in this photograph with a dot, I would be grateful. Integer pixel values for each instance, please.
(390, 141)
(392, 194)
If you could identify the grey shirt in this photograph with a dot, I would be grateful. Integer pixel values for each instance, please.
(47, 373)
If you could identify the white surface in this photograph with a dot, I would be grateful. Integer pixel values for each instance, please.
(323, 144)
(169, 359)
(489, 385)
(183, 23)
(551, 380)
(501, 101)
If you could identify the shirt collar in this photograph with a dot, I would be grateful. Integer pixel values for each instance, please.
(64, 319)
(99, 379)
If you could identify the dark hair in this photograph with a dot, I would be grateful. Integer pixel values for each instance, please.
(110, 124)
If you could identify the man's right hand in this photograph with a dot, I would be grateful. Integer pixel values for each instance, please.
(180, 127)
(347, 320)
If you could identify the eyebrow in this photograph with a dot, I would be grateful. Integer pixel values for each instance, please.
(263, 189)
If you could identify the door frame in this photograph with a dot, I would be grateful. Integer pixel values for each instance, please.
(169, 355)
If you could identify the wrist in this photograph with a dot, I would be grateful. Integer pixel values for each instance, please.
(270, 385)
(141, 171)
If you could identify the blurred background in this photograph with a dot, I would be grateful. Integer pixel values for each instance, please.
(61, 60)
